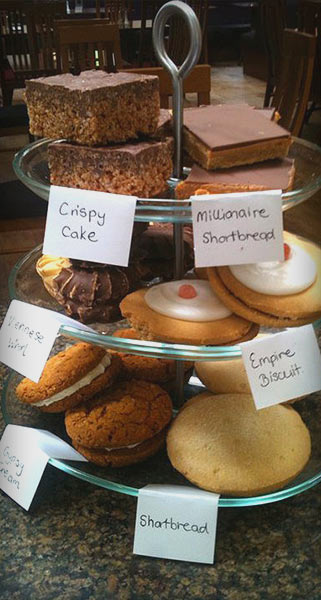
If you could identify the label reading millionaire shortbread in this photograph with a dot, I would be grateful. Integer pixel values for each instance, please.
(89, 225)
(283, 366)
(176, 522)
(240, 228)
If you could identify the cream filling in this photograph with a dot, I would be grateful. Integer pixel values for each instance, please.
(279, 278)
(86, 380)
(206, 306)
(123, 447)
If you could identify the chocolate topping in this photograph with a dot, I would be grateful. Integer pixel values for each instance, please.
(226, 126)
(89, 293)
(273, 174)
(88, 81)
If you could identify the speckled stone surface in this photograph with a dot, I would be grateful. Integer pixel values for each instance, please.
(75, 543)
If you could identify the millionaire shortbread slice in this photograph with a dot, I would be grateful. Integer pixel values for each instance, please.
(94, 107)
(271, 174)
(227, 135)
(138, 169)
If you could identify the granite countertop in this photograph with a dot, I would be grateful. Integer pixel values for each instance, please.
(76, 543)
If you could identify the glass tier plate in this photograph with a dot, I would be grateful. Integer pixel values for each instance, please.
(158, 470)
(26, 285)
(31, 167)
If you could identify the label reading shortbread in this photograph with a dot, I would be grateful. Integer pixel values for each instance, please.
(24, 453)
(239, 228)
(27, 335)
(283, 366)
(176, 522)
(89, 225)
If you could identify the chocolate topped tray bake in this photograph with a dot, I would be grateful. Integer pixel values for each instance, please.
(94, 107)
(267, 175)
(228, 135)
(137, 169)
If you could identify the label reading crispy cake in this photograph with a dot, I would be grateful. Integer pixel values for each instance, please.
(89, 225)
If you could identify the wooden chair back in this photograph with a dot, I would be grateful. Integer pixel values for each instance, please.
(116, 11)
(88, 44)
(27, 42)
(309, 21)
(273, 23)
(178, 37)
(198, 81)
(293, 87)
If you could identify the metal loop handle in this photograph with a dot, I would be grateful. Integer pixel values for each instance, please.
(176, 7)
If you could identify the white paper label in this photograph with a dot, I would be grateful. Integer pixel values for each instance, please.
(283, 366)
(232, 229)
(27, 335)
(24, 453)
(89, 225)
(176, 522)
(26, 338)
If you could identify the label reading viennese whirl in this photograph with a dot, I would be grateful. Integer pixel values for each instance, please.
(283, 366)
(233, 229)
(89, 225)
(27, 335)
(176, 522)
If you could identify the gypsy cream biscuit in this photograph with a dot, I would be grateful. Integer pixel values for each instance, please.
(155, 370)
(275, 294)
(277, 174)
(184, 311)
(70, 377)
(227, 135)
(224, 445)
(121, 426)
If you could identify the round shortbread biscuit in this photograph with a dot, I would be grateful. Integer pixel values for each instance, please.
(130, 413)
(64, 370)
(152, 325)
(224, 445)
(270, 310)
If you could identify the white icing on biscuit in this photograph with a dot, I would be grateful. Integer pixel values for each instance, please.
(279, 278)
(165, 300)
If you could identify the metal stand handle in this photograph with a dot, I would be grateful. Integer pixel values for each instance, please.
(178, 74)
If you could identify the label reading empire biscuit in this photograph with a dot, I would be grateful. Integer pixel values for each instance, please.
(89, 225)
(176, 522)
(239, 228)
(283, 366)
